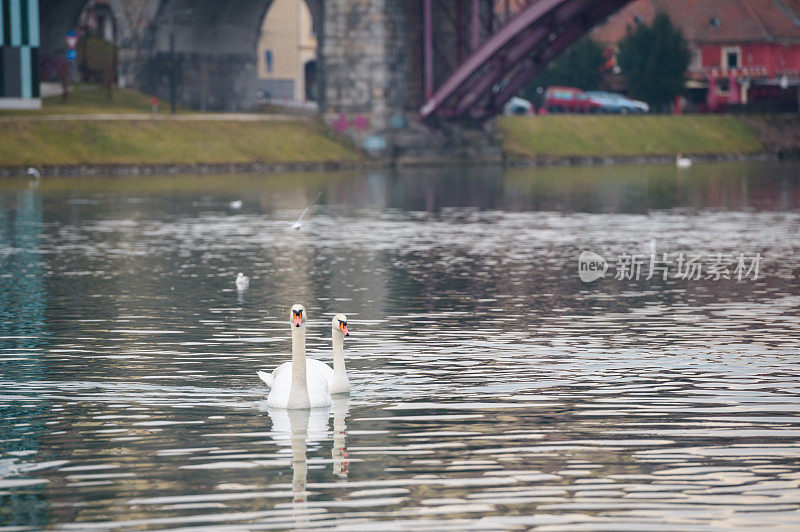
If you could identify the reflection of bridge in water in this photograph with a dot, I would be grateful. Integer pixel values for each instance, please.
(381, 63)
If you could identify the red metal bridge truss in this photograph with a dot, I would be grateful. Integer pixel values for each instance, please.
(521, 38)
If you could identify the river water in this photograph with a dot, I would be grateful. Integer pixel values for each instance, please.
(493, 388)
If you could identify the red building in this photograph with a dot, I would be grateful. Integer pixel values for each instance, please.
(745, 53)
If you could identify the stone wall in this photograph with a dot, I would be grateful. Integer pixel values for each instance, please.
(366, 67)
(207, 82)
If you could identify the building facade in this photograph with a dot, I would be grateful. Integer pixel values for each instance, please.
(19, 54)
(745, 53)
(287, 53)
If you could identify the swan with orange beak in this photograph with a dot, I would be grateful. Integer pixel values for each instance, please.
(301, 383)
(339, 383)
(336, 379)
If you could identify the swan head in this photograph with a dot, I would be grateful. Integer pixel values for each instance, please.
(297, 315)
(339, 325)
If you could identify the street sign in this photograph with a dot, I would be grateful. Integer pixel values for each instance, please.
(72, 40)
(72, 54)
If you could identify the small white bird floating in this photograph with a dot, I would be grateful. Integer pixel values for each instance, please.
(299, 223)
(242, 282)
(36, 176)
(236, 204)
(682, 162)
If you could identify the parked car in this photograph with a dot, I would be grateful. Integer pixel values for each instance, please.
(518, 106)
(569, 100)
(617, 103)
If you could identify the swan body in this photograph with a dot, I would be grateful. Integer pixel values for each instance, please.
(236, 204)
(683, 162)
(297, 385)
(313, 367)
(242, 281)
(338, 382)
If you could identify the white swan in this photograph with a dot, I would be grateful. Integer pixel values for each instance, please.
(297, 384)
(338, 382)
(682, 162)
(242, 282)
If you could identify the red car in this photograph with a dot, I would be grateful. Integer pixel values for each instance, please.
(569, 100)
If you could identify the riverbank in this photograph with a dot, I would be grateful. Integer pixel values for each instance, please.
(88, 136)
(108, 144)
(656, 137)
(88, 133)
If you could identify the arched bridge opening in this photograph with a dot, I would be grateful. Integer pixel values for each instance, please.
(204, 50)
(211, 49)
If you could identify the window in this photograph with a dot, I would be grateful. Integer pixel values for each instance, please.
(732, 58)
(723, 86)
(697, 58)
(268, 60)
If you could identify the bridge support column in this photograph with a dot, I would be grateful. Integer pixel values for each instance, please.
(365, 67)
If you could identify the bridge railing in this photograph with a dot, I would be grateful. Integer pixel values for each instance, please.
(478, 53)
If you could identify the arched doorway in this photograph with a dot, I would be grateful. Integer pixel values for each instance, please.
(287, 55)
(312, 81)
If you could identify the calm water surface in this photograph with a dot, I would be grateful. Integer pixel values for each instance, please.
(492, 388)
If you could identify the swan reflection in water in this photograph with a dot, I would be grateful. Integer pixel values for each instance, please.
(341, 463)
(301, 427)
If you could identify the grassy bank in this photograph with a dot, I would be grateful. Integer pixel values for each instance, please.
(582, 135)
(74, 142)
(199, 139)
(87, 98)
(87, 141)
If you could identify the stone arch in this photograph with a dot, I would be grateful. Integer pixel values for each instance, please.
(215, 45)
(56, 17)
(215, 51)
(287, 43)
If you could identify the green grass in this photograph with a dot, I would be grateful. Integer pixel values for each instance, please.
(72, 142)
(582, 135)
(93, 99)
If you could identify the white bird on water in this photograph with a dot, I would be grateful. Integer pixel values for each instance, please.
(36, 176)
(682, 162)
(236, 204)
(242, 282)
(299, 223)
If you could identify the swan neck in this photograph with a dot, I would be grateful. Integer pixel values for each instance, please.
(298, 393)
(340, 384)
(338, 352)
